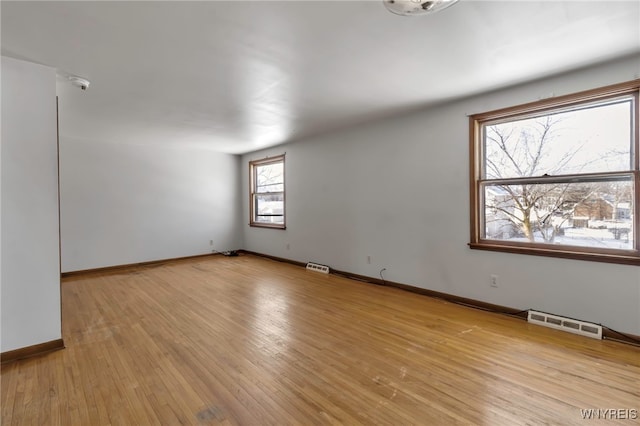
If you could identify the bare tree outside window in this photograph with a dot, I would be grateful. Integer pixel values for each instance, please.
(549, 146)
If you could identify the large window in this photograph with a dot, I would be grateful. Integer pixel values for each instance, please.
(559, 177)
(267, 192)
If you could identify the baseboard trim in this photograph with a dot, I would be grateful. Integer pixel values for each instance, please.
(120, 268)
(31, 351)
(277, 259)
(472, 303)
(630, 339)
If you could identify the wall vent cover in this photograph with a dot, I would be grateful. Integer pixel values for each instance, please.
(567, 324)
(317, 267)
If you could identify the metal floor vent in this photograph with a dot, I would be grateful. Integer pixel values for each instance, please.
(317, 267)
(567, 324)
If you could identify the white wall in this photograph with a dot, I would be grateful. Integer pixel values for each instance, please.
(123, 204)
(30, 252)
(398, 191)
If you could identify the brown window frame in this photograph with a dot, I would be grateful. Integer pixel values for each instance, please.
(477, 181)
(252, 192)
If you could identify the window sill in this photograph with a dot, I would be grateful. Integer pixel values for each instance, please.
(267, 225)
(630, 257)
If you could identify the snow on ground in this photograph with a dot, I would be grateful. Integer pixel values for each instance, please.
(588, 237)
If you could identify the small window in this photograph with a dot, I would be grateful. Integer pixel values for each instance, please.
(267, 192)
(559, 177)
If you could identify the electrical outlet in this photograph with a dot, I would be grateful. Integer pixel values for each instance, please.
(288, 246)
(369, 260)
(210, 242)
(493, 281)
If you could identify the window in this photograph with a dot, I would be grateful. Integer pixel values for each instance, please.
(559, 177)
(267, 192)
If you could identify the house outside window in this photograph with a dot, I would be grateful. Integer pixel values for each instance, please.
(559, 177)
(267, 192)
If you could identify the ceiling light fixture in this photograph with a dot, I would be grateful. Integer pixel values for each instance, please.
(416, 7)
(80, 82)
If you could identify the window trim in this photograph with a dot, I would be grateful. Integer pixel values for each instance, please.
(629, 257)
(252, 185)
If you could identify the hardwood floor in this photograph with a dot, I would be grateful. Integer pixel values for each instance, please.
(251, 341)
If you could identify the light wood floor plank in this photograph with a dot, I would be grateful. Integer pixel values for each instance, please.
(250, 341)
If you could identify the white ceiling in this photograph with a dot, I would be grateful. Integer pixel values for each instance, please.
(237, 76)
